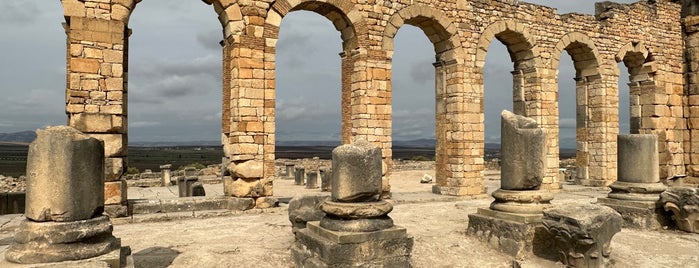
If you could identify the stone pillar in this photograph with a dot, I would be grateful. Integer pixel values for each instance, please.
(65, 201)
(517, 210)
(523, 166)
(299, 175)
(312, 180)
(97, 84)
(356, 220)
(691, 28)
(289, 167)
(166, 176)
(636, 193)
(325, 179)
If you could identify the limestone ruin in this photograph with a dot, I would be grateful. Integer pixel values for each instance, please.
(656, 40)
(356, 230)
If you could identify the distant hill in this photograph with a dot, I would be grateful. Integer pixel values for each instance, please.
(18, 137)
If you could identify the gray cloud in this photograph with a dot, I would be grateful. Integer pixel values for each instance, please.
(175, 74)
(19, 12)
(210, 39)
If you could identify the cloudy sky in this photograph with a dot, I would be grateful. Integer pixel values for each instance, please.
(175, 74)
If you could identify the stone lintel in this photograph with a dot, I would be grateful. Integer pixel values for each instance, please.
(515, 217)
(356, 237)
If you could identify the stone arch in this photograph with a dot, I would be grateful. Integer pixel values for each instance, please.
(520, 44)
(583, 51)
(449, 88)
(641, 65)
(343, 16)
(586, 61)
(440, 30)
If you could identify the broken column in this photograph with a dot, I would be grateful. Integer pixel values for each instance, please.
(582, 233)
(683, 203)
(356, 230)
(289, 167)
(299, 175)
(325, 177)
(636, 192)
(65, 201)
(165, 173)
(312, 180)
(512, 218)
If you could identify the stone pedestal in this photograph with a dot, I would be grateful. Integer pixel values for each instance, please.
(299, 175)
(316, 246)
(312, 180)
(356, 230)
(185, 185)
(325, 177)
(512, 221)
(166, 176)
(65, 201)
(636, 192)
(289, 171)
(582, 233)
(683, 203)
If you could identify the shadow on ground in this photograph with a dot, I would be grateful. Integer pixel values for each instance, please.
(155, 257)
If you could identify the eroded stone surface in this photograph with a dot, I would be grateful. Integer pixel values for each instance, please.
(523, 152)
(583, 233)
(356, 172)
(683, 202)
(65, 171)
(303, 209)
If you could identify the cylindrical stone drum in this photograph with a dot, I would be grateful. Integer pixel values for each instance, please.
(638, 159)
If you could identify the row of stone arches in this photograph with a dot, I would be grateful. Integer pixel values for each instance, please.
(250, 33)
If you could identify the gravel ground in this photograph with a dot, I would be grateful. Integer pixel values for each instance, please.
(437, 223)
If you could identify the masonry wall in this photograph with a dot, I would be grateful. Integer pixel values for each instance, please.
(646, 36)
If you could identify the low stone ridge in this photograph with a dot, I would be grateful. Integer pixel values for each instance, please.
(683, 202)
(583, 233)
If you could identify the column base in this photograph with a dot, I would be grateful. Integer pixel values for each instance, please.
(645, 215)
(120, 257)
(517, 235)
(316, 246)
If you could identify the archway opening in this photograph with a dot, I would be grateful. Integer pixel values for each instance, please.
(497, 96)
(308, 88)
(413, 103)
(174, 90)
(567, 116)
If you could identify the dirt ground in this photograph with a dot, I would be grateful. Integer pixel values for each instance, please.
(437, 223)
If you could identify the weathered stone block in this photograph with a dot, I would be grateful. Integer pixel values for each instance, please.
(514, 234)
(114, 167)
(524, 153)
(356, 172)
(115, 145)
(317, 247)
(64, 165)
(312, 180)
(683, 202)
(249, 169)
(299, 175)
(243, 187)
(42, 242)
(303, 209)
(638, 158)
(115, 192)
(583, 233)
